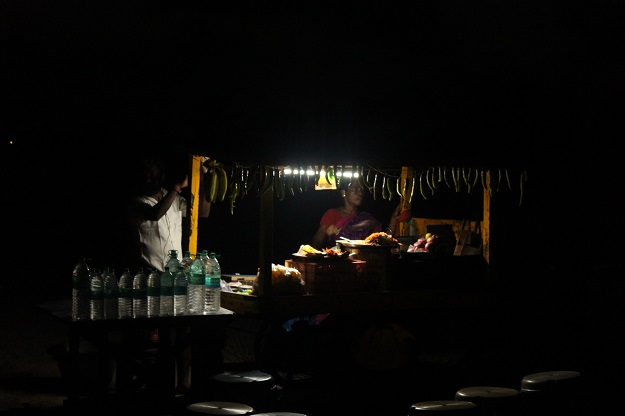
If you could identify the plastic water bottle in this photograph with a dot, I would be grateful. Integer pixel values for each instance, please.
(173, 263)
(81, 291)
(125, 294)
(212, 301)
(167, 293)
(181, 284)
(140, 294)
(197, 277)
(96, 287)
(186, 261)
(204, 257)
(111, 294)
(154, 294)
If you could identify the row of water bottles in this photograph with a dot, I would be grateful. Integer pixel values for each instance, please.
(187, 287)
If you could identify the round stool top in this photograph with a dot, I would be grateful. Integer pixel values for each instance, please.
(220, 408)
(279, 414)
(540, 381)
(242, 376)
(485, 392)
(453, 406)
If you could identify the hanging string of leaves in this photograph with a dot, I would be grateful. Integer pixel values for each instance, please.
(386, 184)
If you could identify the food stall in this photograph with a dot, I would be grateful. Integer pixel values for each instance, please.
(372, 277)
(364, 280)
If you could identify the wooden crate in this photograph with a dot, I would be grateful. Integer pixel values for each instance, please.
(330, 276)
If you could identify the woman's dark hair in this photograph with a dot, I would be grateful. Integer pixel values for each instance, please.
(344, 183)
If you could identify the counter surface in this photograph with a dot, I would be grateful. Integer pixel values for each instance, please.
(405, 283)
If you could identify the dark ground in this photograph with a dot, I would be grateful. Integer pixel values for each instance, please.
(542, 323)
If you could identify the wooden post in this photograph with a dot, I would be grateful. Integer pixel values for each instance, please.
(485, 227)
(193, 211)
(266, 242)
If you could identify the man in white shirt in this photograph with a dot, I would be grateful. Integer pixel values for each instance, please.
(156, 215)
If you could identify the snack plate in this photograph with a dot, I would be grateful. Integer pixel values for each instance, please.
(362, 244)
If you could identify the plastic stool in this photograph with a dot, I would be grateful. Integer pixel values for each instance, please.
(220, 408)
(244, 377)
(253, 387)
(552, 393)
(451, 407)
(492, 401)
(279, 414)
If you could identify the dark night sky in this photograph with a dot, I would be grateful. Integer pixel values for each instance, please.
(536, 84)
(450, 78)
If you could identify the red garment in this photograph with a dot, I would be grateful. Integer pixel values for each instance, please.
(332, 216)
(349, 225)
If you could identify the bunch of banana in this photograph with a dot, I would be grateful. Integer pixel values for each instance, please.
(215, 181)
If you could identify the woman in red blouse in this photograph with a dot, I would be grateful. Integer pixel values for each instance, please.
(349, 221)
